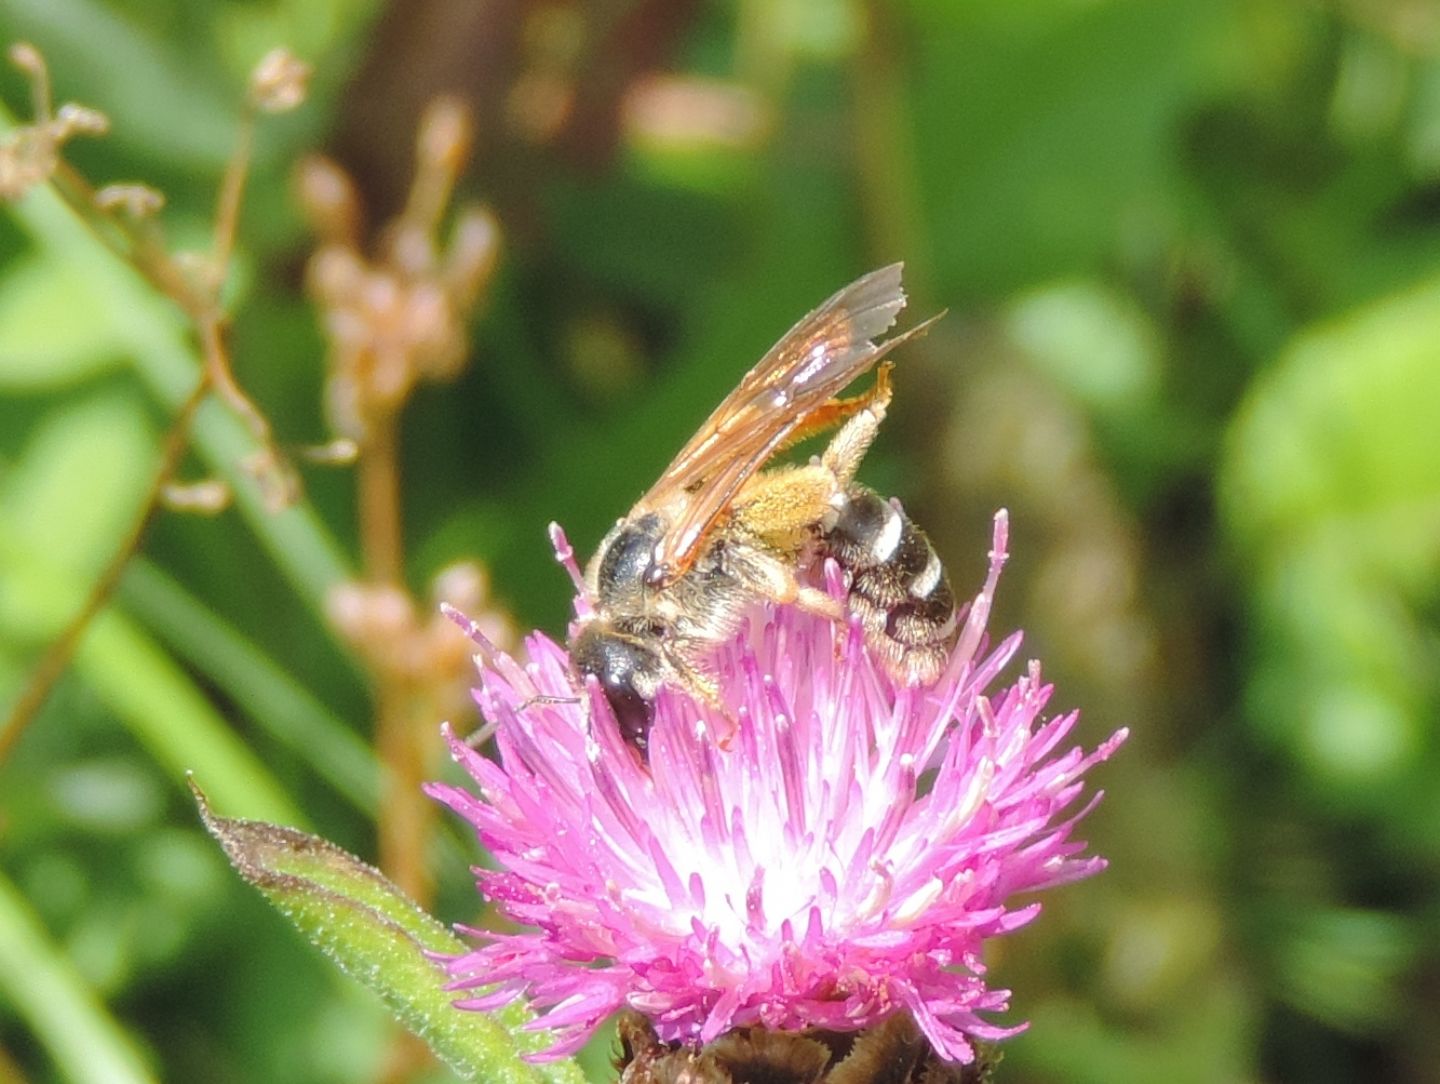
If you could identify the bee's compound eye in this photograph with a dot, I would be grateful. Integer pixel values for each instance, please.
(629, 554)
(628, 672)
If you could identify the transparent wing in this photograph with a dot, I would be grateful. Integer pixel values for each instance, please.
(799, 376)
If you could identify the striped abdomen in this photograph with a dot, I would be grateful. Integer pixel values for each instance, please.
(898, 587)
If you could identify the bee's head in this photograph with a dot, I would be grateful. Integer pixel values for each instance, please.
(629, 670)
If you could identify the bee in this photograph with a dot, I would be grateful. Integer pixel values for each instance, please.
(718, 533)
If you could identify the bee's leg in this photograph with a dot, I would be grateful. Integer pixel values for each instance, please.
(814, 600)
(693, 673)
(787, 589)
(775, 579)
(784, 587)
(837, 411)
(848, 447)
(696, 678)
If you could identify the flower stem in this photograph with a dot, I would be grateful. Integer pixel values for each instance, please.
(56, 659)
(400, 722)
(139, 243)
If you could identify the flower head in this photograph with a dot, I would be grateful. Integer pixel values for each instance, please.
(830, 849)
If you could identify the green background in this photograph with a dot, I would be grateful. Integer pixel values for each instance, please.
(1190, 251)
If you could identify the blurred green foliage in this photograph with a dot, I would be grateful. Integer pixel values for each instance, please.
(1191, 253)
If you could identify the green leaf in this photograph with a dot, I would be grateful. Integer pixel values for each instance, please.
(157, 700)
(1047, 128)
(50, 336)
(1093, 341)
(1331, 490)
(377, 935)
(76, 488)
(269, 693)
(87, 1044)
(152, 332)
(171, 105)
(1347, 965)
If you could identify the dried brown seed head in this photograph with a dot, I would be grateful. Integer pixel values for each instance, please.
(279, 82)
(894, 1052)
(136, 200)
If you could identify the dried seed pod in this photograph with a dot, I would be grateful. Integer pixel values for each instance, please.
(893, 1052)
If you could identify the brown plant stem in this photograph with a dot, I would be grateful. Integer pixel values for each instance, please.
(142, 249)
(404, 815)
(884, 149)
(381, 540)
(139, 244)
(56, 659)
(232, 193)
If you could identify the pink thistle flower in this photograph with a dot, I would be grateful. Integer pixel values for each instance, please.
(832, 849)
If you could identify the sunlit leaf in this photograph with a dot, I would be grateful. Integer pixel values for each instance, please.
(169, 100)
(73, 496)
(50, 335)
(1344, 965)
(375, 934)
(86, 1043)
(1090, 340)
(1331, 487)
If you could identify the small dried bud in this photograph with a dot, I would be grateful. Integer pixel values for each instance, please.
(26, 160)
(341, 452)
(334, 275)
(445, 135)
(278, 482)
(409, 249)
(347, 606)
(279, 82)
(450, 655)
(464, 585)
(391, 613)
(362, 612)
(74, 120)
(686, 113)
(378, 621)
(198, 269)
(30, 154)
(206, 498)
(27, 58)
(429, 323)
(474, 254)
(329, 200)
(396, 317)
(136, 200)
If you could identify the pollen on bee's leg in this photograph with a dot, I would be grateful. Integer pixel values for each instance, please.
(861, 416)
(821, 603)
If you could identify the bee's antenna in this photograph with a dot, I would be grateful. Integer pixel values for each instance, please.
(546, 698)
(565, 554)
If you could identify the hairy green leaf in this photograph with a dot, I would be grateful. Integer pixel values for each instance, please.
(376, 934)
